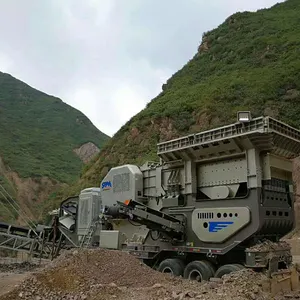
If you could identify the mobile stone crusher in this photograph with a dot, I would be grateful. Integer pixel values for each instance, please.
(217, 201)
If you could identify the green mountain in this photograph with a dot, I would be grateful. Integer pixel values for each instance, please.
(250, 62)
(40, 140)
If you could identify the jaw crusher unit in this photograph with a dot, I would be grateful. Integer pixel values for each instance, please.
(215, 196)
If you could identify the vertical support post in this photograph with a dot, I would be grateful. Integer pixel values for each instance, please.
(254, 168)
(32, 245)
(55, 229)
(42, 246)
(190, 177)
(158, 188)
(58, 245)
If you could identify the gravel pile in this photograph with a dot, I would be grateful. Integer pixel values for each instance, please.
(270, 246)
(103, 275)
(78, 274)
(102, 266)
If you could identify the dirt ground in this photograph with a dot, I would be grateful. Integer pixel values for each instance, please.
(8, 281)
(12, 273)
(101, 274)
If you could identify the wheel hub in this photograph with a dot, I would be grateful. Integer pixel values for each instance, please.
(167, 270)
(195, 275)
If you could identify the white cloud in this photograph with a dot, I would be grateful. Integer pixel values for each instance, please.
(107, 58)
(111, 101)
(5, 63)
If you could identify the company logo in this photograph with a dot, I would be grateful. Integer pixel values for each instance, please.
(217, 226)
(106, 185)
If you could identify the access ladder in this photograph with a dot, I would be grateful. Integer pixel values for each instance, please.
(86, 239)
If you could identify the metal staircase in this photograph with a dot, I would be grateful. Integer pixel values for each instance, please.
(87, 238)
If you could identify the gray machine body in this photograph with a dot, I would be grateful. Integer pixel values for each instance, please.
(124, 182)
(228, 185)
(89, 208)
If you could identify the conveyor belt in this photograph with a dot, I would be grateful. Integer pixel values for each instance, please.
(18, 230)
(144, 215)
(22, 239)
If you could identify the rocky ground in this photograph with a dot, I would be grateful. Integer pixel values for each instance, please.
(8, 281)
(103, 275)
(12, 274)
(20, 268)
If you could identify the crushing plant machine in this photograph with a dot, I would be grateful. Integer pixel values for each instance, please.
(216, 202)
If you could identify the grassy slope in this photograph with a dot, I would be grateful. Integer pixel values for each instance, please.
(252, 62)
(6, 211)
(38, 132)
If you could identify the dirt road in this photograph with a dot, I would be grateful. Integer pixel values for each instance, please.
(12, 274)
(8, 281)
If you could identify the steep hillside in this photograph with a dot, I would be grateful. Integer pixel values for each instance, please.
(251, 61)
(40, 142)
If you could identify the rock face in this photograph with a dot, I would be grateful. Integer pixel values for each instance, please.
(29, 193)
(87, 151)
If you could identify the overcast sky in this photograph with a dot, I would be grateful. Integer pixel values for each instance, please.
(107, 58)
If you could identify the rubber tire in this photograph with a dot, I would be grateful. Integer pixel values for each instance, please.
(241, 267)
(226, 269)
(202, 267)
(175, 265)
(211, 266)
